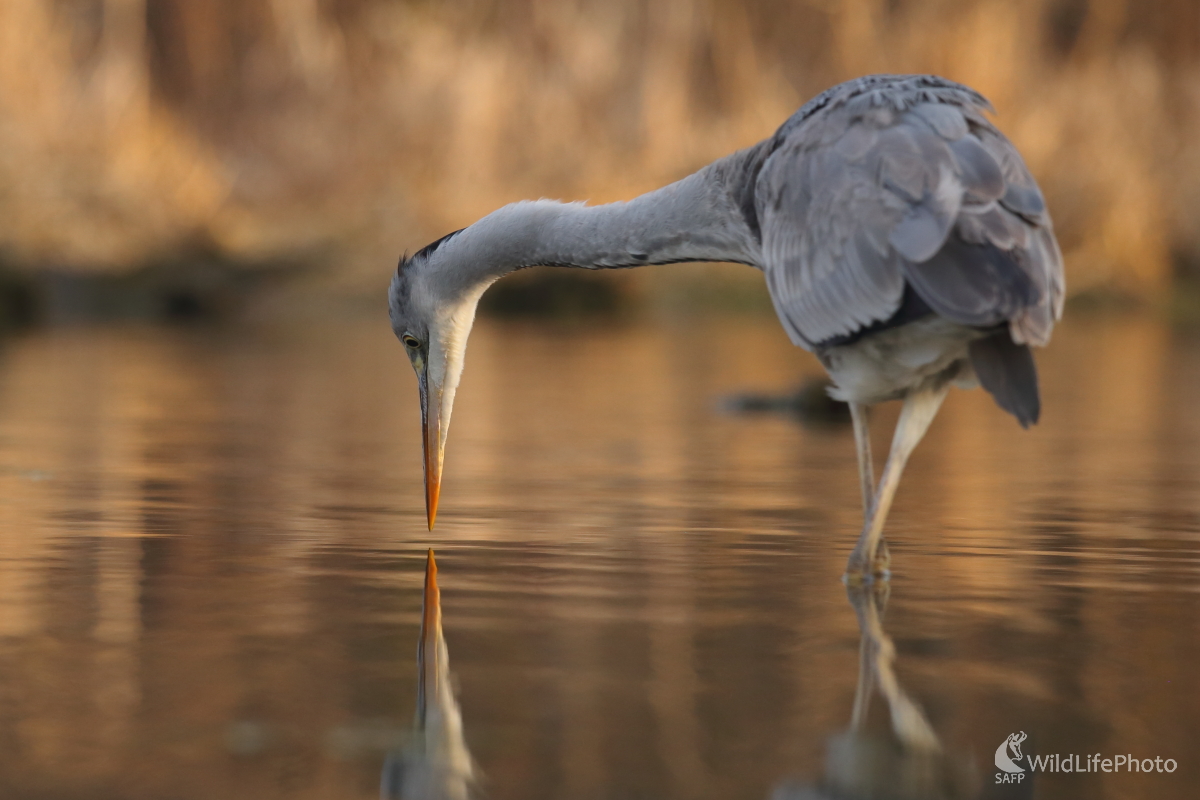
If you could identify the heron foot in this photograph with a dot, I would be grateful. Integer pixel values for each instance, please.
(860, 579)
(863, 571)
(882, 563)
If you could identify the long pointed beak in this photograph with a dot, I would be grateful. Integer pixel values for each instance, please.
(431, 437)
(427, 647)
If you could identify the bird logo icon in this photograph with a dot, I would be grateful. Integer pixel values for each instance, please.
(1013, 743)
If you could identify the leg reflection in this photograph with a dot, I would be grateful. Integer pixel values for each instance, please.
(905, 761)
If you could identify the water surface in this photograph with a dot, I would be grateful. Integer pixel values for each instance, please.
(212, 543)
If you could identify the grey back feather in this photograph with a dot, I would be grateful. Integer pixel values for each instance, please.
(894, 179)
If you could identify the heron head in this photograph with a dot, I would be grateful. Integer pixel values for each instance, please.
(432, 313)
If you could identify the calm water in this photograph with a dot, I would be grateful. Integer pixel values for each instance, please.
(211, 545)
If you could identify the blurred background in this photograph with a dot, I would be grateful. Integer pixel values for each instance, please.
(212, 536)
(171, 157)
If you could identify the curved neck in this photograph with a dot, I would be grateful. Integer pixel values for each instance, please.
(699, 218)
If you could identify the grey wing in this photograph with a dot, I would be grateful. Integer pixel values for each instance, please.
(855, 204)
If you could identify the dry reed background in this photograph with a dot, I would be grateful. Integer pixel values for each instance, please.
(344, 131)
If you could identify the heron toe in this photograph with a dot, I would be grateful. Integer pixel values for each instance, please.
(880, 566)
(863, 569)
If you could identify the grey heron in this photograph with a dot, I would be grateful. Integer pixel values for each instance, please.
(436, 765)
(903, 239)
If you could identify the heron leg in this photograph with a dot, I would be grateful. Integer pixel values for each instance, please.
(920, 407)
(861, 416)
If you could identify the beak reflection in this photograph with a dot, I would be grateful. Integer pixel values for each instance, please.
(436, 764)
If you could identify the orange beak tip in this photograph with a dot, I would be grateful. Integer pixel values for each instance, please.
(431, 504)
(432, 512)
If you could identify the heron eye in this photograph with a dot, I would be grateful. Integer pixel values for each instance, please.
(411, 341)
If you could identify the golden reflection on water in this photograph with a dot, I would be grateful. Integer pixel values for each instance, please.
(210, 562)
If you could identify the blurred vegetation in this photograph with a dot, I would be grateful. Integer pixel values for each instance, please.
(268, 132)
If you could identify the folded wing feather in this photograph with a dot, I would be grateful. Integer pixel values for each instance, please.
(935, 197)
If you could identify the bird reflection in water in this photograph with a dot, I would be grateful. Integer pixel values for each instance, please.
(436, 764)
(907, 762)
